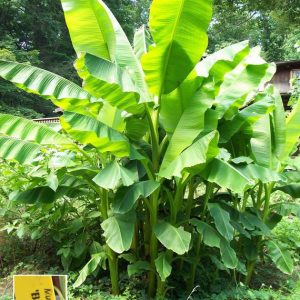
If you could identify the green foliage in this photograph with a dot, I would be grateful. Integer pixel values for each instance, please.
(242, 292)
(47, 46)
(287, 232)
(295, 91)
(122, 197)
(271, 24)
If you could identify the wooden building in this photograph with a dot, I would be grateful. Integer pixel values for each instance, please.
(286, 70)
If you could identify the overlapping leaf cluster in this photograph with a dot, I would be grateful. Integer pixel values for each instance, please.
(152, 125)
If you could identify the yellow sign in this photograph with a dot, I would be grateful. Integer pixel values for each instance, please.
(33, 287)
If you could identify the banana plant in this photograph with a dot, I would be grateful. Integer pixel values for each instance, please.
(274, 140)
(151, 125)
(267, 161)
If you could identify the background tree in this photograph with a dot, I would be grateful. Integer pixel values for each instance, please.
(271, 24)
(35, 32)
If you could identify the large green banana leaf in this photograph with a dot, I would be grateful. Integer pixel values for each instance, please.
(89, 131)
(222, 61)
(126, 197)
(259, 173)
(226, 176)
(59, 90)
(269, 135)
(45, 194)
(248, 115)
(228, 255)
(215, 66)
(136, 127)
(261, 142)
(292, 130)
(292, 189)
(183, 111)
(95, 30)
(200, 152)
(289, 176)
(281, 256)
(90, 28)
(97, 259)
(222, 220)
(114, 175)
(173, 238)
(118, 231)
(112, 117)
(209, 235)
(212, 238)
(21, 151)
(178, 28)
(247, 77)
(279, 125)
(141, 42)
(27, 130)
(190, 125)
(285, 209)
(104, 79)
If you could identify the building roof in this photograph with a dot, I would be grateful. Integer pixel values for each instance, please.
(47, 120)
(288, 64)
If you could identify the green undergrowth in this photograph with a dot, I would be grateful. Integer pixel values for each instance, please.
(269, 282)
(24, 256)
